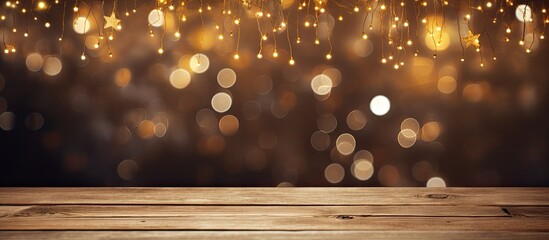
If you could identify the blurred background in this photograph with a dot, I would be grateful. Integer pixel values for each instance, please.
(195, 116)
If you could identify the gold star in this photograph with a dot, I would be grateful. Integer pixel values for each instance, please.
(111, 21)
(472, 39)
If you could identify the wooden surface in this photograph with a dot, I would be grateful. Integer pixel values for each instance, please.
(274, 213)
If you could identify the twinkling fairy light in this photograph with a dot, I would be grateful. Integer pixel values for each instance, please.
(396, 22)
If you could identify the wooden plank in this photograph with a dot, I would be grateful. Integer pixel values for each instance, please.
(273, 222)
(10, 210)
(272, 235)
(278, 196)
(527, 211)
(139, 211)
(279, 223)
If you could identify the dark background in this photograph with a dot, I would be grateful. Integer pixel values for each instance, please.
(497, 139)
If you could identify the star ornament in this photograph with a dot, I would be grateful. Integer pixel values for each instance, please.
(112, 21)
(472, 39)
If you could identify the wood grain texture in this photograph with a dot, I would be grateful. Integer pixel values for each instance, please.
(277, 223)
(271, 235)
(274, 213)
(278, 196)
(77, 211)
(116, 217)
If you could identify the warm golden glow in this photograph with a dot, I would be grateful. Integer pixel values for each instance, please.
(34, 62)
(321, 84)
(146, 129)
(52, 66)
(334, 173)
(165, 23)
(380, 105)
(123, 77)
(221, 102)
(356, 120)
(362, 170)
(436, 182)
(346, 144)
(156, 18)
(199, 63)
(430, 131)
(81, 25)
(447, 84)
(180, 78)
(226, 78)
(228, 125)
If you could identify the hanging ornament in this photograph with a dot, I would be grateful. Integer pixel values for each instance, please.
(273, 17)
(320, 5)
(472, 39)
(111, 21)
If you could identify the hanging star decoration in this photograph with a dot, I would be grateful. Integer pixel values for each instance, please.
(111, 21)
(276, 10)
(472, 39)
(321, 4)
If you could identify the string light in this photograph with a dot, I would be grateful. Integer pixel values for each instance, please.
(392, 17)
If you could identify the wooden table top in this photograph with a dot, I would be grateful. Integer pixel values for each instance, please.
(274, 213)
